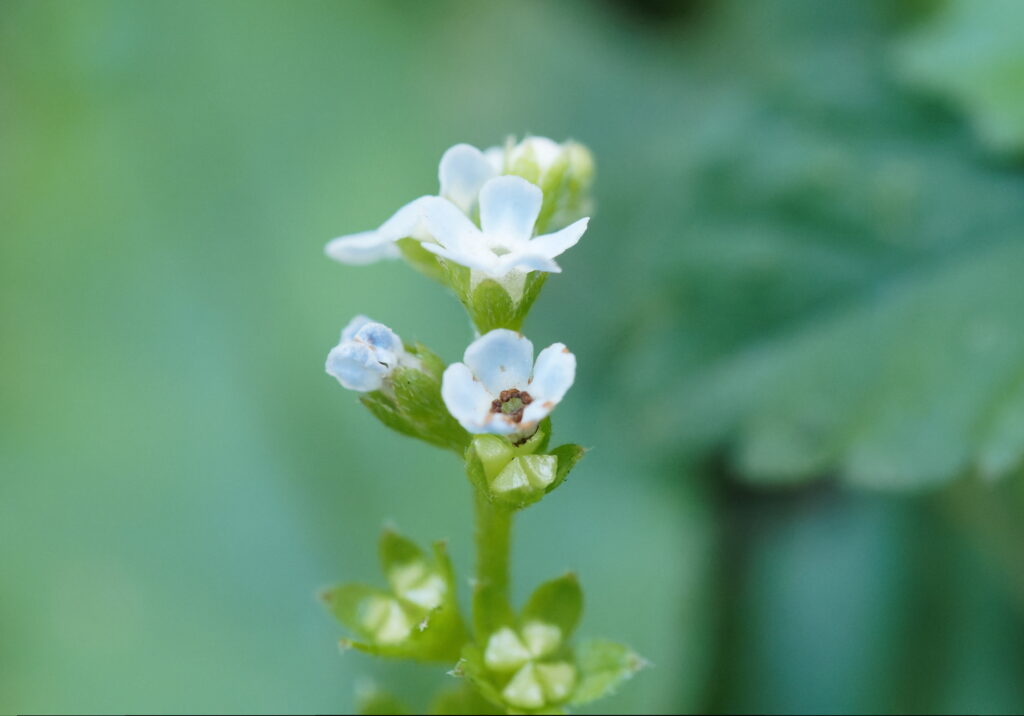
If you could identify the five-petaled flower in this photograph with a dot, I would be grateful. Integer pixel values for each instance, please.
(367, 355)
(463, 171)
(499, 389)
(509, 207)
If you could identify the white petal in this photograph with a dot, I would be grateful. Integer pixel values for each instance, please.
(525, 261)
(356, 367)
(360, 249)
(509, 206)
(462, 173)
(466, 398)
(380, 337)
(450, 226)
(553, 375)
(484, 260)
(501, 359)
(408, 222)
(552, 245)
(495, 156)
(350, 330)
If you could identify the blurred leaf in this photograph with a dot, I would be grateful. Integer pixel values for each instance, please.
(971, 52)
(835, 306)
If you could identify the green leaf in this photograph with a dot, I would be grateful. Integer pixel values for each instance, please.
(603, 666)
(971, 52)
(558, 602)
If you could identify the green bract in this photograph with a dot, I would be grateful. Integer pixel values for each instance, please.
(519, 475)
(416, 617)
(525, 664)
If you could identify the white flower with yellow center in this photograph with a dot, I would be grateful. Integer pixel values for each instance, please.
(499, 389)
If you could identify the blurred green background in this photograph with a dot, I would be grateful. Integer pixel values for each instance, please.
(798, 314)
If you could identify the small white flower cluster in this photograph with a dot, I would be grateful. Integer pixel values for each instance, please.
(473, 185)
(483, 219)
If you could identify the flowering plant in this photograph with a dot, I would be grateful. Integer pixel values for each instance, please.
(492, 234)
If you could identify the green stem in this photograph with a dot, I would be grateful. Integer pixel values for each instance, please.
(493, 544)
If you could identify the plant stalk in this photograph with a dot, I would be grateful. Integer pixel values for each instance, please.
(493, 544)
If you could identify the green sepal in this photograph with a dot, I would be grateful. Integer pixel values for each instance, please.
(396, 551)
(344, 603)
(524, 480)
(422, 260)
(413, 406)
(558, 602)
(534, 282)
(489, 454)
(418, 400)
(488, 303)
(509, 474)
(568, 455)
(491, 306)
(375, 702)
(386, 411)
(431, 362)
(603, 666)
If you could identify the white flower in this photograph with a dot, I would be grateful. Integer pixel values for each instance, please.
(366, 356)
(509, 206)
(499, 389)
(463, 170)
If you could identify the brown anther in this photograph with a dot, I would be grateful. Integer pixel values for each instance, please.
(514, 411)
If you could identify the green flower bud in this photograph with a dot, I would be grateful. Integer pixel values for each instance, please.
(564, 172)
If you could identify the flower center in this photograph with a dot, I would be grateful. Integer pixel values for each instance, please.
(512, 403)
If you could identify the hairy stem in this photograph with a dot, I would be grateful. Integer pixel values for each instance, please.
(493, 532)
